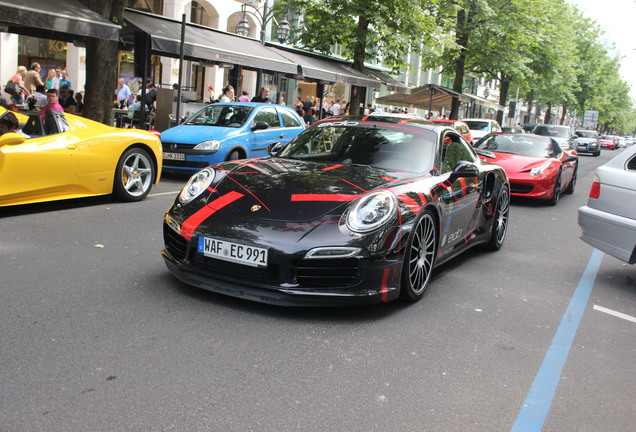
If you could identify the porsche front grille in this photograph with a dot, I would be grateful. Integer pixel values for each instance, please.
(176, 245)
(326, 272)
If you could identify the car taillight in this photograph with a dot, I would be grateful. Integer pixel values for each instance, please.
(595, 191)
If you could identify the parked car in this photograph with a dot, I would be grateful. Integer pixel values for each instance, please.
(630, 140)
(537, 166)
(608, 221)
(608, 142)
(587, 142)
(228, 131)
(459, 126)
(529, 127)
(481, 127)
(353, 210)
(621, 142)
(68, 156)
(563, 135)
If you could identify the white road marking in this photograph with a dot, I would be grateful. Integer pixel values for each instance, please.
(165, 193)
(616, 314)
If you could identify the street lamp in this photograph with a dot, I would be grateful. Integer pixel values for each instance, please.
(263, 17)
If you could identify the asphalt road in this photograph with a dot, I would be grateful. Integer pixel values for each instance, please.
(96, 335)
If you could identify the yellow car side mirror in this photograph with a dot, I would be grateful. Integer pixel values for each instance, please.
(11, 138)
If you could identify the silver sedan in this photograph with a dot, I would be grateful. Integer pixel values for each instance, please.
(608, 221)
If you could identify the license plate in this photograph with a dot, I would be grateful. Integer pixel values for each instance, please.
(234, 252)
(174, 156)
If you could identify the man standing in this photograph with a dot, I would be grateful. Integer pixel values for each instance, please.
(263, 96)
(33, 78)
(55, 82)
(335, 109)
(52, 103)
(151, 96)
(122, 92)
(64, 81)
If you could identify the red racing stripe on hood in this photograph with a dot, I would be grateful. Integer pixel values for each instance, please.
(191, 223)
(322, 197)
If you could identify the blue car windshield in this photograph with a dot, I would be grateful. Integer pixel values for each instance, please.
(398, 149)
(233, 116)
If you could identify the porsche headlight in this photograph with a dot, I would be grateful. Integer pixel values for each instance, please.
(536, 171)
(372, 211)
(211, 145)
(196, 185)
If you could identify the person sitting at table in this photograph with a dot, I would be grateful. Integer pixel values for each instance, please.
(66, 100)
(131, 111)
(9, 123)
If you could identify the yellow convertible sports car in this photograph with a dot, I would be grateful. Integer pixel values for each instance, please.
(67, 156)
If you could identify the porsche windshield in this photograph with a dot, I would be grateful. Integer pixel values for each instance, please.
(233, 116)
(387, 147)
(521, 144)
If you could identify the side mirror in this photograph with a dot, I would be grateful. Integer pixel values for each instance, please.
(569, 158)
(464, 169)
(11, 138)
(260, 126)
(274, 148)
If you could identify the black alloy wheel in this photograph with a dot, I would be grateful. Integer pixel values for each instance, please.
(134, 175)
(419, 257)
(500, 222)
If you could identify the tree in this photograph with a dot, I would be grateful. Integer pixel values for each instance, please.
(101, 64)
(369, 30)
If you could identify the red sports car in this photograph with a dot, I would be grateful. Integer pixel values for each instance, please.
(536, 165)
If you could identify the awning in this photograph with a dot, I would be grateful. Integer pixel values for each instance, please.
(391, 83)
(432, 97)
(65, 20)
(202, 43)
(320, 68)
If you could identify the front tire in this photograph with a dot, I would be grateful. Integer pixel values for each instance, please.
(556, 194)
(419, 258)
(572, 185)
(500, 222)
(134, 175)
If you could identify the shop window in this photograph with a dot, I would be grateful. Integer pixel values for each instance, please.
(151, 6)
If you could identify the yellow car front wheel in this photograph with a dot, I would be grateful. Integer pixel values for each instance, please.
(134, 176)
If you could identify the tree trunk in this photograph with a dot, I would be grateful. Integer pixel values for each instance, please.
(529, 112)
(464, 21)
(565, 110)
(503, 96)
(359, 53)
(101, 65)
(548, 114)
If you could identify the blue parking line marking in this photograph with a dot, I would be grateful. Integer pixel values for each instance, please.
(536, 407)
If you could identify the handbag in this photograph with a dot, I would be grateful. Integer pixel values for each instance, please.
(13, 89)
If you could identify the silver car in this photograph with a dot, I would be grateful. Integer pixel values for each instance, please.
(608, 221)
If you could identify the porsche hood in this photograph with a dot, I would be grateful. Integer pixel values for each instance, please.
(291, 190)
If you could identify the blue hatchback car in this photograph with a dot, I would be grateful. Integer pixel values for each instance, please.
(227, 131)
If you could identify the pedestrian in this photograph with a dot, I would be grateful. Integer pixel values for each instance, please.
(18, 78)
(49, 78)
(38, 99)
(122, 92)
(151, 96)
(335, 108)
(56, 79)
(64, 81)
(52, 103)
(301, 114)
(213, 98)
(33, 78)
(244, 96)
(79, 101)
(309, 117)
(228, 94)
(263, 96)
(67, 101)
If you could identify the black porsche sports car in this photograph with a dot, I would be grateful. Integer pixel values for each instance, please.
(353, 210)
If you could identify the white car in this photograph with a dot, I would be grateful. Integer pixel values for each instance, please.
(608, 221)
(479, 128)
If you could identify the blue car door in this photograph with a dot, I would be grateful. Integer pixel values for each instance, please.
(262, 138)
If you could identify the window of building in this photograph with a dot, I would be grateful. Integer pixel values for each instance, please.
(151, 6)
